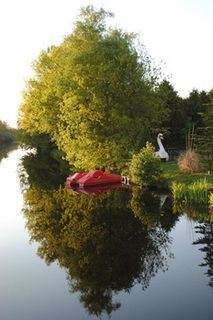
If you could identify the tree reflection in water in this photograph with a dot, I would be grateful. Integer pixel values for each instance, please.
(40, 169)
(206, 241)
(107, 243)
(202, 214)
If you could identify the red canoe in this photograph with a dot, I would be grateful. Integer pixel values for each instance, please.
(92, 178)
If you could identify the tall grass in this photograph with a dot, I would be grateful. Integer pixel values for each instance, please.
(196, 192)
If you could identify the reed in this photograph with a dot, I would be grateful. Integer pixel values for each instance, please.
(178, 191)
(211, 202)
(196, 192)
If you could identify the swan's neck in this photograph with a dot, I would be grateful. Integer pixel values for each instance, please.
(160, 144)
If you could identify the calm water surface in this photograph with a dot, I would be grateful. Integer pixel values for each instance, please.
(122, 255)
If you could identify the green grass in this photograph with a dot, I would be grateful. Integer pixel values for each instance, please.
(171, 174)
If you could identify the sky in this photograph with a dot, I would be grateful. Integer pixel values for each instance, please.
(176, 33)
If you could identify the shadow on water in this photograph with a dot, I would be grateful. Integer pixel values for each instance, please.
(106, 243)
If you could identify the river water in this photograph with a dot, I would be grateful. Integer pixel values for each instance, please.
(122, 254)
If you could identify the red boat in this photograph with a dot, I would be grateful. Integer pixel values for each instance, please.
(92, 178)
(73, 180)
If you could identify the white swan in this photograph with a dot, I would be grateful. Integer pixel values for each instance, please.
(161, 153)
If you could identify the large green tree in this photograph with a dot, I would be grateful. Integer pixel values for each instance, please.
(95, 94)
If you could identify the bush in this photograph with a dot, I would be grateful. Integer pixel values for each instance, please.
(145, 167)
(189, 161)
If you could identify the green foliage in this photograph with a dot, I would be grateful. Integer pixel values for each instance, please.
(95, 94)
(145, 167)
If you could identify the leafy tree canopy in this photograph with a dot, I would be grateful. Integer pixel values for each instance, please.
(95, 94)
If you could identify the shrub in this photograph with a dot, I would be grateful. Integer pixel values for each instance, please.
(189, 161)
(145, 167)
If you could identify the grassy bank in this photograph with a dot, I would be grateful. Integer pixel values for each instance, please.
(192, 192)
(171, 174)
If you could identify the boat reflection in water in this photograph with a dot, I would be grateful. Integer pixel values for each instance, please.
(94, 190)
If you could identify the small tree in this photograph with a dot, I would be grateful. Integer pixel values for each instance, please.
(145, 167)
